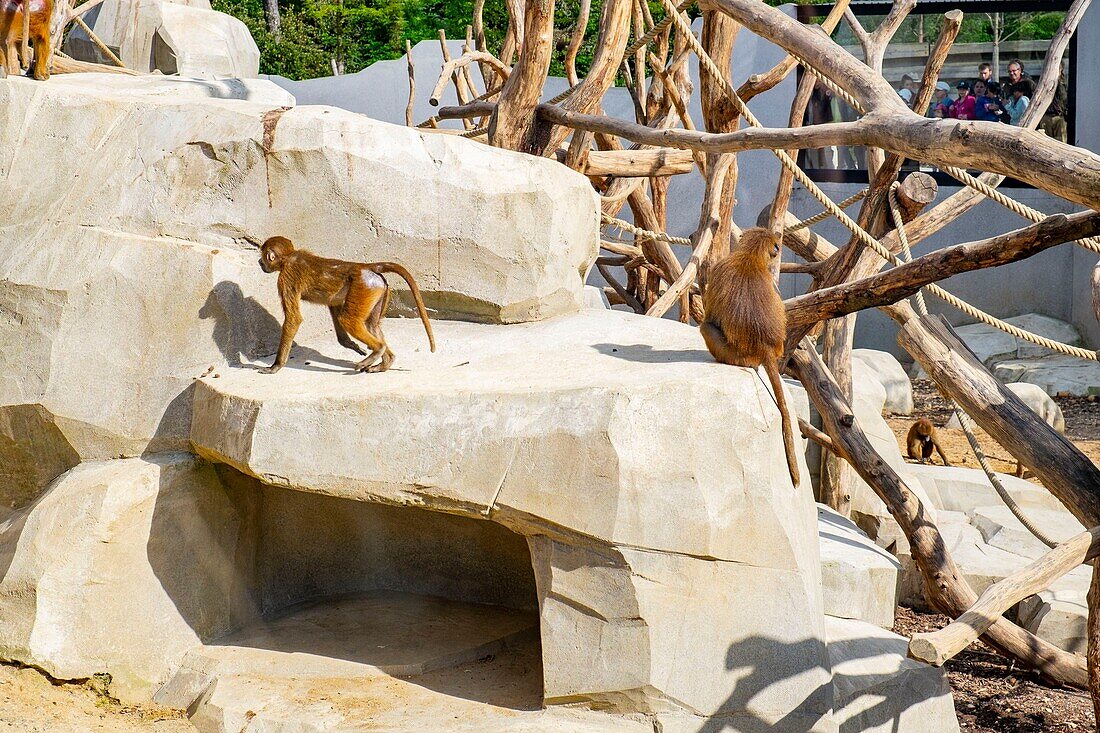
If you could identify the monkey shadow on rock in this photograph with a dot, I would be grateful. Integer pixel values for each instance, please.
(646, 354)
(245, 329)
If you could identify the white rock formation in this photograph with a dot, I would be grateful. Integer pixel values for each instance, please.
(154, 285)
(858, 578)
(878, 689)
(122, 567)
(1037, 400)
(892, 376)
(184, 37)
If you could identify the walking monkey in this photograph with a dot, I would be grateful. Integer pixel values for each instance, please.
(13, 23)
(356, 295)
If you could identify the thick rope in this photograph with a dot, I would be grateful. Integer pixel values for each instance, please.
(626, 226)
(817, 218)
(1091, 243)
(475, 132)
(964, 418)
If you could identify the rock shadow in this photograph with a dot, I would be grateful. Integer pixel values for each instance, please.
(763, 662)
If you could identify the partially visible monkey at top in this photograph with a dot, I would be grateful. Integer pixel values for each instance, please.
(11, 35)
(356, 295)
(745, 322)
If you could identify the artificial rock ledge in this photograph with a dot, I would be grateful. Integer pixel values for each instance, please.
(155, 283)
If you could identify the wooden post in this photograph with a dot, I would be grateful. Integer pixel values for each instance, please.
(513, 123)
(1093, 640)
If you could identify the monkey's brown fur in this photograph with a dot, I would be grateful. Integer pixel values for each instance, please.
(11, 35)
(356, 295)
(922, 439)
(744, 321)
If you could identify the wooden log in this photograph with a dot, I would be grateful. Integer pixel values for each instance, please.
(610, 48)
(1092, 635)
(575, 42)
(412, 84)
(905, 280)
(65, 65)
(633, 163)
(812, 433)
(451, 67)
(946, 588)
(513, 123)
(1063, 469)
(705, 236)
(466, 111)
(720, 116)
(936, 647)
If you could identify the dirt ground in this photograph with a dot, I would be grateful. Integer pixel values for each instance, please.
(991, 696)
(1082, 427)
(31, 703)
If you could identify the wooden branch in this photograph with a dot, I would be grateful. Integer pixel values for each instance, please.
(461, 92)
(1063, 469)
(805, 268)
(902, 281)
(513, 123)
(786, 177)
(760, 83)
(64, 65)
(610, 48)
(809, 431)
(85, 7)
(451, 67)
(1092, 634)
(466, 111)
(412, 84)
(936, 647)
(627, 298)
(576, 41)
(633, 163)
(946, 588)
(952, 22)
(704, 236)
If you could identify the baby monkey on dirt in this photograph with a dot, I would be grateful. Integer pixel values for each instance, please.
(356, 295)
(745, 322)
(922, 439)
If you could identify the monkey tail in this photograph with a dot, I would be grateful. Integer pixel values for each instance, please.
(772, 368)
(382, 267)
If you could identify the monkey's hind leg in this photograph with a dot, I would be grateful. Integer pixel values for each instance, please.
(341, 334)
(361, 301)
(720, 348)
(374, 326)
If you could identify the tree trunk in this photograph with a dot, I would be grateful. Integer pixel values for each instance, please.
(271, 15)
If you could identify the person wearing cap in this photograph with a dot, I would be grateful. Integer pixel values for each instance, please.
(941, 103)
(963, 109)
(907, 97)
(1018, 104)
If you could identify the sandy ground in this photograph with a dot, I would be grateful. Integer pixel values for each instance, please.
(31, 703)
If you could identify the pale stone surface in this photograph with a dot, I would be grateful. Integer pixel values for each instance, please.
(93, 576)
(232, 688)
(991, 344)
(155, 284)
(550, 442)
(181, 37)
(867, 385)
(508, 401)
(858, 578)
(892, 376)
(963, 489)
(595, 299)
(1060, 616)
(1001, 529)
(1053, 374)
(1037, 400)
(878, 690)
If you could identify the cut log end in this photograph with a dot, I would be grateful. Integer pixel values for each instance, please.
(923, 647)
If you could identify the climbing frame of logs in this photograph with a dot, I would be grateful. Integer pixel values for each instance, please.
(630, 162)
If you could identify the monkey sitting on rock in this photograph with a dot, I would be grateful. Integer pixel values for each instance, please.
(356, 295)
(745, 322)
(922, 439)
